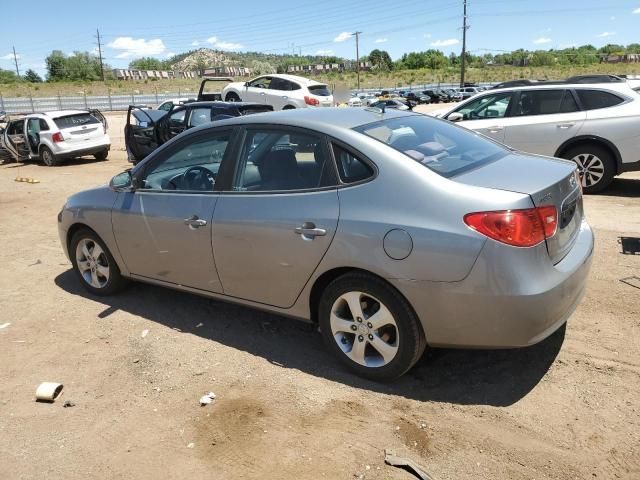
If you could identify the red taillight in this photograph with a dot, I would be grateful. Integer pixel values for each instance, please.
(520, 228)
(57, 137)
(311, 101)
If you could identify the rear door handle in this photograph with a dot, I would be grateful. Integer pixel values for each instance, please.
(308, 230)
(565, 126)
(194, 222)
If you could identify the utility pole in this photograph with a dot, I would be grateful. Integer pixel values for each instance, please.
(464, 44)
(356, 34)
(100, 55)
(15, 59)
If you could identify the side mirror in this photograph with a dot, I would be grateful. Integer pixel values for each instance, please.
(246, 84)
(455, 117)
(122, 182)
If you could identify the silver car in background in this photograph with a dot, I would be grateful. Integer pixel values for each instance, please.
(393, 231)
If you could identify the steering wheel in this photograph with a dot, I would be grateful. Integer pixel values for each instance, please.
(198, 178)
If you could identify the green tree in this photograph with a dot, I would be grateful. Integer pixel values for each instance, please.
(32, 77)
(56, 66)
(147, 63)
(381, 59)
(7, 76)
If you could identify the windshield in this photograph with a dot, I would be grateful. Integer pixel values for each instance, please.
(440, 146)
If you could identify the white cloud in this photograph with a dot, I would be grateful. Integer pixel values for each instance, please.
(224, 45)
(541, 40)
(195, 43)
(605, 34)
(342, 37)
(636, 11)
(138, 47)
(9, 56)
(324, 52)
(445, 43)
(427, 35)
(381, 40)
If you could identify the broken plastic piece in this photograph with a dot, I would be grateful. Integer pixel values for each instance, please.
(207, 398)
(48, 391)
(406, 464)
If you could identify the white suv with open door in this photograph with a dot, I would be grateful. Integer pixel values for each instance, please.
(55, 136)
(595, 125)
(282, 92)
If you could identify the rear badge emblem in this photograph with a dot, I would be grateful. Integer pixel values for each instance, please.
(572, 181)
(547, 198)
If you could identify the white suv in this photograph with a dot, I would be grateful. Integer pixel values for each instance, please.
(282, 92)
(54, 136)
(595, 125)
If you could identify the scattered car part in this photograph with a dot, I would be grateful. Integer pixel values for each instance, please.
(48, 391)
(406, 464)
(630, 245)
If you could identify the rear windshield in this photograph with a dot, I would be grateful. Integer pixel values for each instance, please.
(438, 145)
(320, 90)
(77, 120)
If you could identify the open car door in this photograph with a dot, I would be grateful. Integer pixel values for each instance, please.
(208, 92)
(98, 114)
(141, 133)
(13, 142)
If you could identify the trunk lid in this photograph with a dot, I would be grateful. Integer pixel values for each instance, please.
(548, 181)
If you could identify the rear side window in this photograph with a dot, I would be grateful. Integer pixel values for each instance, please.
(199, 116)
(545, 102)
(319, 90)
(350, 168)
(77, 120)
(43, 125)
(594, 99)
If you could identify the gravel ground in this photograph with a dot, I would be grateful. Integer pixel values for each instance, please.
(566, 408)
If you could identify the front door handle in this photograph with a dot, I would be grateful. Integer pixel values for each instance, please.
(309, 231)
(194, 222)
(564, 126)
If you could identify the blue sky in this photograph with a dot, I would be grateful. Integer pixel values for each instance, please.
(132, 29)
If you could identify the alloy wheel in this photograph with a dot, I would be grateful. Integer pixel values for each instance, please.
(364, 329)
(92, 263)
(590, 168)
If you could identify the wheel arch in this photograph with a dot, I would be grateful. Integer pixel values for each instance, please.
(76, 227)
(113, 249)
(593, 139)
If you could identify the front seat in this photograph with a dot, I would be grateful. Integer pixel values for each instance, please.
(279, 171)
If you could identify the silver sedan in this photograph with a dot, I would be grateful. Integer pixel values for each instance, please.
(393, 231)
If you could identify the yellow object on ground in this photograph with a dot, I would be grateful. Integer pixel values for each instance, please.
(26, 180)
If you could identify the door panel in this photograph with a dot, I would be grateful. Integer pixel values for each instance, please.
(260, 257)
(493, 128)
(167, 236)
(542, 134)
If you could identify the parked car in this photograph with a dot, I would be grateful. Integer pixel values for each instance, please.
(392, 103)
(597, 126)
(320, 215)
(282, 92)
(147, 129)
(354, 101)
(368, 98)
(436, 96)
(468, 92)
(417, 98)
(51, 137)
(453, 95)
(169, 104)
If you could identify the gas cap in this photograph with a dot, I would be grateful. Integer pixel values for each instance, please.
(397, 244)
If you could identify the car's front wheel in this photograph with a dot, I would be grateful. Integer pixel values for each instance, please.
(370, 327)
(596, 166)
(93, 263)
(232, 97)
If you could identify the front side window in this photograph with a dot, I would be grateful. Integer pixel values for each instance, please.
(177, 118)
(488, 106)
(276, 160)
(440, 146)
(166, 106)
(545, 102)
(193, 167)
(262, 82)
(199, 116)
(594, 99)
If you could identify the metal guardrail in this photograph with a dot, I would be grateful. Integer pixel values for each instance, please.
(85, 102)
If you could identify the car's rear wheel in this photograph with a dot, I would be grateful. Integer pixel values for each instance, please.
(370, 327)
(596, 166)
(232, 97)
(102, 155)
(93, 263)
(47, 156)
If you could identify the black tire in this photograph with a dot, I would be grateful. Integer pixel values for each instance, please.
(102, 155)
(232, 97)
(115, 281)
(586, 152)
(411, 341)
(48, 157)
(288, 107)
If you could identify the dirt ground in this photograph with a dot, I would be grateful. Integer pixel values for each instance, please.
(567, 408)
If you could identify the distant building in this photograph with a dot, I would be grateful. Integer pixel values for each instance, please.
(626, 58)
(133, 74)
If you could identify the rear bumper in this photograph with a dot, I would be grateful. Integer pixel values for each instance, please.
(511, 298)
(87, 148)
